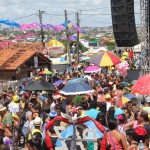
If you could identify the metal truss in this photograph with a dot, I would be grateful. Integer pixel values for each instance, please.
(145, 62)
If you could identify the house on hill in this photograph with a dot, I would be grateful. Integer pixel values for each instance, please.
(20, 61)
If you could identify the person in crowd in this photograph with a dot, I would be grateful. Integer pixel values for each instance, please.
(6, 119)
(28, 113)
(114, 137)
(140, 139)
(34, 143)
(26, 118)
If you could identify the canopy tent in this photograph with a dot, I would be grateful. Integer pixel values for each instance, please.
(52, 43)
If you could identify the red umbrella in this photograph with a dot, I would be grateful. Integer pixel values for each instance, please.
(142, 85)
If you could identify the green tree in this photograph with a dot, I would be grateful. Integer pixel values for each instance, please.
(110, 45)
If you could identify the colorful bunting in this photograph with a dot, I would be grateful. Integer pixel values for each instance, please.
(9, 23)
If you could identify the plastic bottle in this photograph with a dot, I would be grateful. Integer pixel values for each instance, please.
(141, 145)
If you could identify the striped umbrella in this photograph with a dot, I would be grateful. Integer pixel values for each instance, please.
(105, 59)
(123, 100)
(45, 72)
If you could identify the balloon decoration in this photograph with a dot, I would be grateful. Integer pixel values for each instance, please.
(24, 36)
(81, 121)
(57, 28)
(10, 23)
(122, 68)
(25, 27)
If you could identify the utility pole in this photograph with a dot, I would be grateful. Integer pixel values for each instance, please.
(77, 43)
(67, 35)
(42, 33)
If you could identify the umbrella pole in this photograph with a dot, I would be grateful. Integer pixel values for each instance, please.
(73, 140)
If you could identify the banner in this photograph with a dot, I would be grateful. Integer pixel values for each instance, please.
(56, 50)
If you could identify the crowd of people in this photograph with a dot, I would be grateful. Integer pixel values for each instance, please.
(24, 115)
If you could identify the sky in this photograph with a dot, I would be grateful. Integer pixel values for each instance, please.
(92, 13)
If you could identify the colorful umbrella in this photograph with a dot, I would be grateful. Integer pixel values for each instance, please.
(91, 69)
(105, 59)
(76, 88)
(45, 72)
(57, 83)
(142, 85)
(123, 100)
(129, 96)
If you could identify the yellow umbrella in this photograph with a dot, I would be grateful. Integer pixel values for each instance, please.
(52, 43)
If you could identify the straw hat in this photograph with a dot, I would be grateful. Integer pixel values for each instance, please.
(37, 121)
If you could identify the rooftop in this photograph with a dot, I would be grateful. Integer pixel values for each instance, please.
(14, 56)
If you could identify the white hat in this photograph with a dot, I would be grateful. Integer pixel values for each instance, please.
(37, 121)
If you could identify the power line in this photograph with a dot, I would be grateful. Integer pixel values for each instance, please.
(54, 14)
(23, 17)
(95, 9)
(100, 14)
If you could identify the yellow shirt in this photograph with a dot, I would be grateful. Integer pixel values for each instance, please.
(34, 130)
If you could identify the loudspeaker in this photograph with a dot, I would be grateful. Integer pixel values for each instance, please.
(123, 21)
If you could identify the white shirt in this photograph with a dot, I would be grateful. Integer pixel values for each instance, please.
(108, 105)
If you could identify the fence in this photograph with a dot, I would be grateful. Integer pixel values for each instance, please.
(5, 84)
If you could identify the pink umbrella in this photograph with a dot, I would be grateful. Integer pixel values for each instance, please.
(91, 69)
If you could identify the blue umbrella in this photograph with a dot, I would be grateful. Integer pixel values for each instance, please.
(76, 80)
(76, 88)
(92, 113)
(129, 96)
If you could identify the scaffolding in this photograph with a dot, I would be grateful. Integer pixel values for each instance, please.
(145, 61)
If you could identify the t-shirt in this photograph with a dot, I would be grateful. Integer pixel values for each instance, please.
(108, 105)
(7, 119)
(26, 124)
(34, 131)
(77, 99)
(13, 107)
